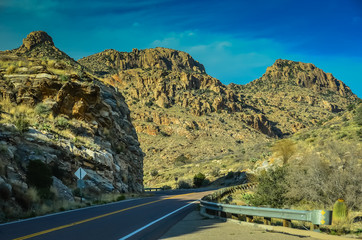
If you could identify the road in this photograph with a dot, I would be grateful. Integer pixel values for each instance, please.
(147, 218)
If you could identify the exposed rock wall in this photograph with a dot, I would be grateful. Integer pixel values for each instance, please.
(86, 123)
(305, 75)
(156, 58)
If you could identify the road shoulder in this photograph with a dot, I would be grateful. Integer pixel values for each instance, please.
(195, 226)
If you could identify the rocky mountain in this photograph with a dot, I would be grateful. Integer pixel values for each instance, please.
(182, 114)
(40, 45)
(53, 111)
(157, 58)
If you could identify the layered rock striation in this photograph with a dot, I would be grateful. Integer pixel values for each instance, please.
(111, 61)
(73, 120)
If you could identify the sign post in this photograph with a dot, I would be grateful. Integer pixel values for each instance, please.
(80, 174)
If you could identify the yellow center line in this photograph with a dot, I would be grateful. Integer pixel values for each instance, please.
(93, 218)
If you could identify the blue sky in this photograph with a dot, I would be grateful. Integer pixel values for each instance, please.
(235, 40)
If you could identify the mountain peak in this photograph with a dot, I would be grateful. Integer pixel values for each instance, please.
(39, 44)
(36, 38)
(304, 75)
(111, 61)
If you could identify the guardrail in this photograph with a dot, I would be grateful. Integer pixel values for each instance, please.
(209, 204)
(219, 194)
(153, 189)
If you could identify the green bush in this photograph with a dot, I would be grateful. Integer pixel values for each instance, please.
(358, 117)
(182, 184)
(166, 187)
(21, 122)
(61, 122)
(77, 192)
(154, 173)
(121, 198)
(42, 109)
(271, 188)
(181, 160)
(64, 78)
(199, 179)
(39, 175)
(21, 198)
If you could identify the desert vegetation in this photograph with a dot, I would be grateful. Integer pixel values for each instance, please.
(322, 171)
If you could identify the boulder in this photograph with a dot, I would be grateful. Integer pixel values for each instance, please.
(63, 192)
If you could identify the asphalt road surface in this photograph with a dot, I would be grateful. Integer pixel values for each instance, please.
(147, 218)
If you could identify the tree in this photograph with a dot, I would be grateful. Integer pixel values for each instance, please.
(271, 188)
(284, 148)
(199, 179)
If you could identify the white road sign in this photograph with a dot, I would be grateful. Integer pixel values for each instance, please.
(80, 173)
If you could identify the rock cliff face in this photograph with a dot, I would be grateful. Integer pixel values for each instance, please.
(156, 58)
(305, 75)
(40, 45)
(73, 121)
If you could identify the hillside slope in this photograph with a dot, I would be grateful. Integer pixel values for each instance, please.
(186, 118)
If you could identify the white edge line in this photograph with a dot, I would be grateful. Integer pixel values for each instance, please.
(68, 211)
(157, 220)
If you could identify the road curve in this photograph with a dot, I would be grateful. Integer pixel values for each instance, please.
(147, 218)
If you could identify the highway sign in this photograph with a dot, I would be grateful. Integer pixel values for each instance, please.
(80, 183)
(80, 173)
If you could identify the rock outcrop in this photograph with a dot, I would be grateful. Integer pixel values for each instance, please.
(34, 39)
(305, 75)
(112, 61)
(40, 45)
(71, 120)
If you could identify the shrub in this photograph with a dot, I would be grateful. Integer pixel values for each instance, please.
(323, 178)
(284, 148)
(247, 198)
(215, 172)
(39, 175)
(21, 122)
(350, 107)
(64, 78)
(358, 117)
(77, 192)
(11, 69)
(271, 188)
(154, 173)
(51, 63)
(199, 179)
(181, 160)
(121, 198)
(149, 103)
(120, 148)
(166, 187)
(21, 197)
(42, 109)
(182, 184)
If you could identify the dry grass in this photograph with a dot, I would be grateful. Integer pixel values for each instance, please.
(32, 194)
